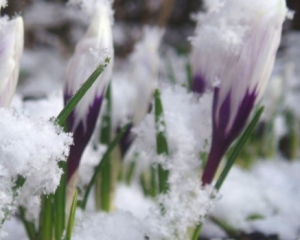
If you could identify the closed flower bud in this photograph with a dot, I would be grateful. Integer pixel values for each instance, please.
(91, 50)
(234, 54)
(11, 48)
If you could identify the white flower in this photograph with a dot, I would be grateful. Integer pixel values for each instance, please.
(11, 48)
(234, 53)
(95, 46)
(92, 49)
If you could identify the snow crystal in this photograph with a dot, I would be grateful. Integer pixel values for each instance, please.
(184, 206)
(31, 149)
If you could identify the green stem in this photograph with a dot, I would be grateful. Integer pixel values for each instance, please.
(60, 203)
(46, 218)
(238, 147)
(106, 186)
(189, 75)
(103, 179)
(71, 218)
(130, 173)
(197, 231)
(102, 163)
(162, 147)
(153, 181)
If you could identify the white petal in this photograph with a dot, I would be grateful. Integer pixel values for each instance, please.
(96, 44)
(11, 48)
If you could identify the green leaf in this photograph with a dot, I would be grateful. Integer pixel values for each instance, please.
(46, 226)
(255, 216)
(188, 70)
(103, 182)
(197, 231)
(162, 147)
(71, 217)
(238, 147)
(60, 203)
(103, 162)
(71, 104)
(130, 172)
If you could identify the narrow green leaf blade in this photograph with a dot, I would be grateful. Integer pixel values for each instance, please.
(46, 227)
(162, 147)
(238, 147)
(71, 217)
(60, 203)
(102, 163)
(104, 181)
(62, 116)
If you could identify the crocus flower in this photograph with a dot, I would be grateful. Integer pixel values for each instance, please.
(96, 42)
(143, 80)
(234, 53)
(11, 48)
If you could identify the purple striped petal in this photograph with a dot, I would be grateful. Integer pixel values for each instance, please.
(222, 137)
(81, 133)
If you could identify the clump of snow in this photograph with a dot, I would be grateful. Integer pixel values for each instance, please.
(184, 206)
(31, 149)
(117, 225)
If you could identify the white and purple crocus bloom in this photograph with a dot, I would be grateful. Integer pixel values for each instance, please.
(233, 53)
(96, 42)
(11, 49)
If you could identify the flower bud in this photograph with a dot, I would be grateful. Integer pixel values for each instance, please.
(90, 51)
(234, 54)
(11, 48)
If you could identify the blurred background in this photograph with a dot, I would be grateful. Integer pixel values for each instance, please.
(52, 29)
(47, 22)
